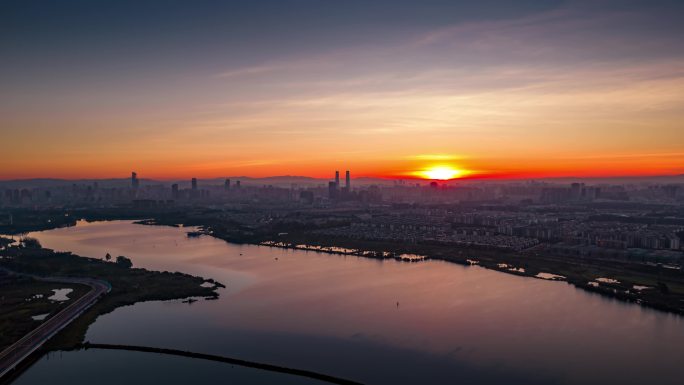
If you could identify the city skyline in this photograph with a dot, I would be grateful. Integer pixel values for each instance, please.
(534, 89)
(362, 192)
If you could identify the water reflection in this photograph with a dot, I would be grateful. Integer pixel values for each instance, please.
(115, 367)
(337, 314)
(60, 295)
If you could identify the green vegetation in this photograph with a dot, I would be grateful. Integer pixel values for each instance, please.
(129, 285)
(22, 298)
(123, 261)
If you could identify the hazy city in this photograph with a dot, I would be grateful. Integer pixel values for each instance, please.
(362, 192)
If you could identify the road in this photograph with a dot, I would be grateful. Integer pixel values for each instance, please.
(17, 352)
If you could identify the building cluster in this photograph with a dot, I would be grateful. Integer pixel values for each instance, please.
(337, 192)
(431, 228)
(572, 219)
(578, 228)
(143, 193)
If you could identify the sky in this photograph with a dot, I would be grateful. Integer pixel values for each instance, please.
(385, 88)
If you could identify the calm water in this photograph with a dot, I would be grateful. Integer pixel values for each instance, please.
(106, 367)
(338, 315)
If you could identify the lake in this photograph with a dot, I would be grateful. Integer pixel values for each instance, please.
(373, 321)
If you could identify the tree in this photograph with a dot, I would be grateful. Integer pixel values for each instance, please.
(31, 243)
(123, 261)
(108, 257)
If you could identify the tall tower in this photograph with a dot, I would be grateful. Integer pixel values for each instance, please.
(134, 180)
(332, 190)
(226, 184)
(576, 191)
(194, 183)
(347, 185)
(337, 179)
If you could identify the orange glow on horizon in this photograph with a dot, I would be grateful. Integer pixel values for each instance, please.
(441, 172)
(550, 106)
(424, 167)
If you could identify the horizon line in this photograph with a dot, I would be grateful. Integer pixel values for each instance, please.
(485, 177)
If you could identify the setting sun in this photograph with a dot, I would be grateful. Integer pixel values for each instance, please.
(441, 173)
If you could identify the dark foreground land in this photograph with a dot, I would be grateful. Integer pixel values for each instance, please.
(128, 286)
(24, 297)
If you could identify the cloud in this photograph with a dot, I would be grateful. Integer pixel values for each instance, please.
(567, 77)
(247, 71)
(435, 157)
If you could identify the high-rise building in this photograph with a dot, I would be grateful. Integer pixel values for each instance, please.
(347, 185)
(591, 193)
(194, 183)
(337, 179)
(306, 197)
(332, 190)
(174, 191)
(135, 183)
(226, 184)
(237, 184)
(576, 190)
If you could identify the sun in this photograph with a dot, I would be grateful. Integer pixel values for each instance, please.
(441, 173)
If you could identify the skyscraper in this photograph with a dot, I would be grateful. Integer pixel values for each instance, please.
(347, 185)
(576, 191)
(226, 184)
(174, 191)
(134, 180)
(332, 190)
(337, 179)
(194, 183)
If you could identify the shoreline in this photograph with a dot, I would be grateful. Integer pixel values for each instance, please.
(636, 292)
(128, 285)
(629, 282)
(600, 287)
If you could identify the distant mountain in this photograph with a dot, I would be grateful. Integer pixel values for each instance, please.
(306, 181)
(618, 179)
(53, 182)
(281, 181)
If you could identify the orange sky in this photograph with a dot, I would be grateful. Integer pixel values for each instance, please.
(569, 91)
(402, 168)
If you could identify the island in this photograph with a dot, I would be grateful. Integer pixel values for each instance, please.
(31, 277)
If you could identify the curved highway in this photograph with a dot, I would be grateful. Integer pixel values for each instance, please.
(17, 352)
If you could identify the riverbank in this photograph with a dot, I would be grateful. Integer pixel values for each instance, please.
(651, 286)
(129, 285)
(294, 296)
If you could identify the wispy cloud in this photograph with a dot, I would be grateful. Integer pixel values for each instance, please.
(435, 157)
(247, 71)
